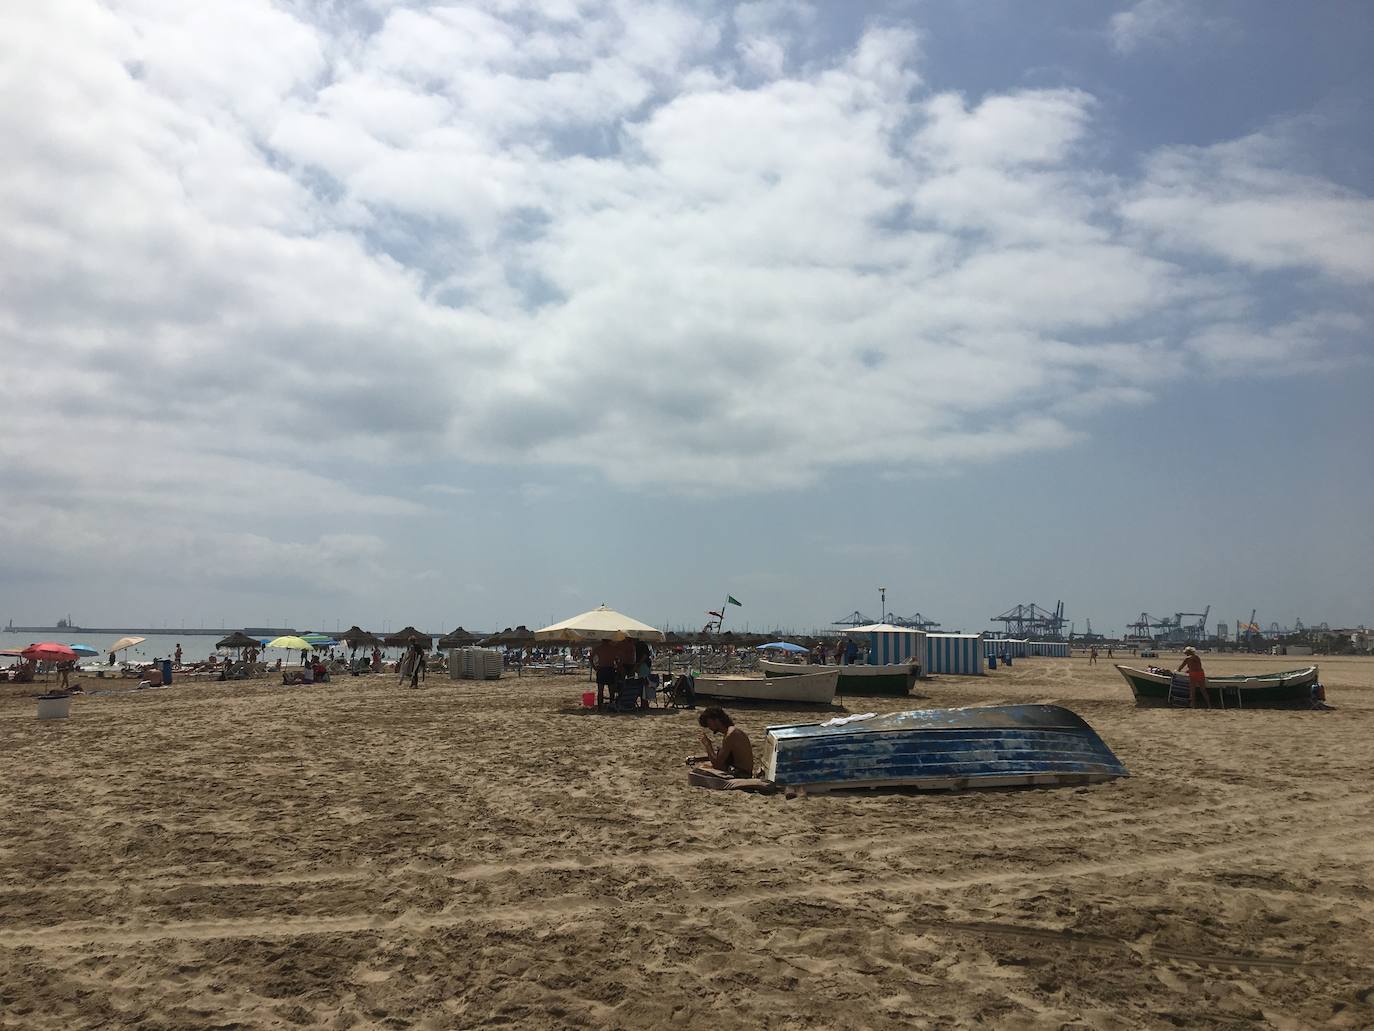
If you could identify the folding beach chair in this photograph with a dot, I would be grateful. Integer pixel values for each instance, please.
(1179, 691)
(679, 694)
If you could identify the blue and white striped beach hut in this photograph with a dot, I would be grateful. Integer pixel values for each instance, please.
(890, 645)
(1050, 649)
(958, 654)
(1003, 646)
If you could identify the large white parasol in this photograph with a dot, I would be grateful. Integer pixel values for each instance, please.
(597, 625)
(126, 642)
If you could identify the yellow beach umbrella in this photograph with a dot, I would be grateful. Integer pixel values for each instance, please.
(290, 642)
(598, 624)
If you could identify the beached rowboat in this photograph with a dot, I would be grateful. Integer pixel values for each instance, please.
(895, 679)
(992, 746)
(1269, 690)
(814, 687)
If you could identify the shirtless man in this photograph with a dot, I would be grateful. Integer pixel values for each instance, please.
(735, 755)
(604, 657)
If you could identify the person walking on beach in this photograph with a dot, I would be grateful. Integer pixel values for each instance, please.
(1197, 679)
(415, 656)
(1092, 656)
(178, 653)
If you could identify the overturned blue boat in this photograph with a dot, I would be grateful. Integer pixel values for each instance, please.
(988, 746)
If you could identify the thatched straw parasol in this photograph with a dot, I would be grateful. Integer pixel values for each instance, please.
(460, 638)
(401, 638)
(356, 637)
(238, 639)
(517, 638)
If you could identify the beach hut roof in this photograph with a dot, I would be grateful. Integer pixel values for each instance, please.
(881, 628)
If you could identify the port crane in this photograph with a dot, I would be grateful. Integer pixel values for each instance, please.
(1033, 621)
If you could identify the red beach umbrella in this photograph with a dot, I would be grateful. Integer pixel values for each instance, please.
(48, 651)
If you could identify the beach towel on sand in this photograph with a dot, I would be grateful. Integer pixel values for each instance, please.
(718, 780)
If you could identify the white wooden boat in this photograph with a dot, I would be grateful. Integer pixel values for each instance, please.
(859, 678)
(815, 686)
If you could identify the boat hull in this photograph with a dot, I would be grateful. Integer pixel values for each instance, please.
(815, 688)
(1289, 689)
(858, 679)
(993, 746)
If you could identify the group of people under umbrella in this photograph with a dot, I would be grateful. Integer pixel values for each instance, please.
(60, 657)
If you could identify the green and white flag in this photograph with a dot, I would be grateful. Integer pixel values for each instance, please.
(733, 600)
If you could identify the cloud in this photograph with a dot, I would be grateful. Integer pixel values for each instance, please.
(1242, 202)
(1160, 23)
(251, 253)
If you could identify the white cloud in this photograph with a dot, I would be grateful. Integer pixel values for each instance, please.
(643, 239)
(1239, 201)
(1159, 23)
(1033, 127)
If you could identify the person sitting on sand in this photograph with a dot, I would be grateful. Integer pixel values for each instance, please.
(1197, 680)
(735, 755)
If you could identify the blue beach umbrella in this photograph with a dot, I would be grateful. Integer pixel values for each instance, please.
(783, 646)
(83, 649)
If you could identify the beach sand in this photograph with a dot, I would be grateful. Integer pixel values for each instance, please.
(471, 854)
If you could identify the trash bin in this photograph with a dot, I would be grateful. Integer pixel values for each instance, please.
(166, 672)
(992, 662)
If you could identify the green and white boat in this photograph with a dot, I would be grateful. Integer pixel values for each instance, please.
(1292, 688)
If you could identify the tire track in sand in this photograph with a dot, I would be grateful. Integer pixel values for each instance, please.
(529, 912)
(1249, 809)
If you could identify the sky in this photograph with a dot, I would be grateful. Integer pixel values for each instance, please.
(487, 313)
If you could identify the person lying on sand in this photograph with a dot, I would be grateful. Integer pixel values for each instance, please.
(735, 755)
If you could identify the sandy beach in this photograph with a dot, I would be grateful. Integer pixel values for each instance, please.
(479, 854)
